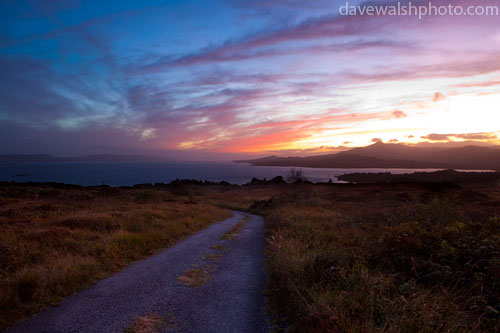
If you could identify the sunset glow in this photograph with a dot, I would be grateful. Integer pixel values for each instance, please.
(253, 77)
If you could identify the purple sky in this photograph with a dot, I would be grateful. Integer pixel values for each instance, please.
(218, 79)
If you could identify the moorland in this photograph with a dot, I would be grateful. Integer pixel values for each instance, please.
(340, 257)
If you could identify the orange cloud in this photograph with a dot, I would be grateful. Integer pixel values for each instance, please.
(465, 136)
(399, 114)
(277, 140)
(436, 137)
(438, 97)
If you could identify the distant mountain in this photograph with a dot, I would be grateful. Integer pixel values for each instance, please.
(21, 158)
(380, 155)
(115, 158)
(469, 157)
(28, 158)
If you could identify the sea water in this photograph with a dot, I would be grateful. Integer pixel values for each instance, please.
(126, 174)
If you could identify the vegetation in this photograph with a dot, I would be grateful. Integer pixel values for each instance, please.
(235, 229)
(295, 175)
(450, 176)
(396, 258)
(150, 323)
(376, 257)
(197, 276)
(57, 239)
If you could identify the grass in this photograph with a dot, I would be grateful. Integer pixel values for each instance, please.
(392, 258)
(215, 257)
(197, 276)
(235, 197)
(218, 247)
(233, 232)
(364, 258)
(149, 323)
(200, 275)
(58, 239)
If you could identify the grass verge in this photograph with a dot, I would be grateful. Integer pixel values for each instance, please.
(58, 239)
(396, 258)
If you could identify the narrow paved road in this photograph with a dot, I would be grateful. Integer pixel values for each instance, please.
(231, 301)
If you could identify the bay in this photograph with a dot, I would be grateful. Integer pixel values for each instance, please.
(127, 174)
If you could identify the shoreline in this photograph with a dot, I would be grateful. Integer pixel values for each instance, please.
(452, 176)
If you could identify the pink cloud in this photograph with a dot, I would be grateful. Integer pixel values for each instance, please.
(480, 84)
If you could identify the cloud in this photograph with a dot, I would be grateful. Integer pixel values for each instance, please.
(26, 91)
(466, 136)
(438, 97)
(301, 4)
(19, 138)
(376, 140)
(308, 151)
(399, 114)
(436, 137)
(394, 141)
(233, 52)
(458, 68)
(99, 75)
(476, 136)
(477, 85)
(453, 144)
(327, 33)
(273, 135)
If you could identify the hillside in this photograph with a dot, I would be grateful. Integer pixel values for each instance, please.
(382, 155)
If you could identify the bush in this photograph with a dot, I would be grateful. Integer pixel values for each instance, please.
(295, 175)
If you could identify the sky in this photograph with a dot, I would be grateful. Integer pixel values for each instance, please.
(228, 78)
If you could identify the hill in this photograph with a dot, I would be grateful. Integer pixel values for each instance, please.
(380, 155)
